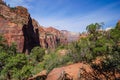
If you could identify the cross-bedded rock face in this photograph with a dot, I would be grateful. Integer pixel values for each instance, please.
(17, 26)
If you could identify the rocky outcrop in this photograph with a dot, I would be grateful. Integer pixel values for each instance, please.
(81, 71)
(18, 27)
(72, 72)
(51, 37)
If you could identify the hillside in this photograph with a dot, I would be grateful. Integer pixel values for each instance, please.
(30, 51)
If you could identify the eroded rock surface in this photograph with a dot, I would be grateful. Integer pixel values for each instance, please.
(18, 27)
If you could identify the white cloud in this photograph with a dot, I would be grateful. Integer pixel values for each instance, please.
(78, 23)
(74, 23)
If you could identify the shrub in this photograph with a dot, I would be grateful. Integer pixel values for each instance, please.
(54, 60)
(16, 66)
(37, 54)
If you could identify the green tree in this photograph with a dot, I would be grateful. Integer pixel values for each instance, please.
(3, 59)
(37, 54)
(17, 67)
(93, 30)
(11, 49)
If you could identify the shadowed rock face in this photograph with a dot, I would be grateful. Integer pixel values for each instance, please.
(17, 27)
(31, 37)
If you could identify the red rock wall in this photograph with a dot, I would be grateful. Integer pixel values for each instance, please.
(12, 33)
(17, 26)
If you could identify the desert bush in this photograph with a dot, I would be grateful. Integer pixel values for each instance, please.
(54, 60)
(37, 54)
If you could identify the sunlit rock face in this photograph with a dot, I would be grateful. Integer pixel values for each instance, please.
(12, 33)
(51, 37)
(18, 27)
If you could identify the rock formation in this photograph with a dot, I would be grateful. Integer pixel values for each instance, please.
(18, 27)
(51, 37)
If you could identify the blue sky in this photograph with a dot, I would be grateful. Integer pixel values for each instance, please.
(71, 15)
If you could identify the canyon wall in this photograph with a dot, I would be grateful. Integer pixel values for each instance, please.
(17, 26)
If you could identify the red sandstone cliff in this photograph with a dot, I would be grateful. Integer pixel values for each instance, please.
(17, 26)
(51, 37)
